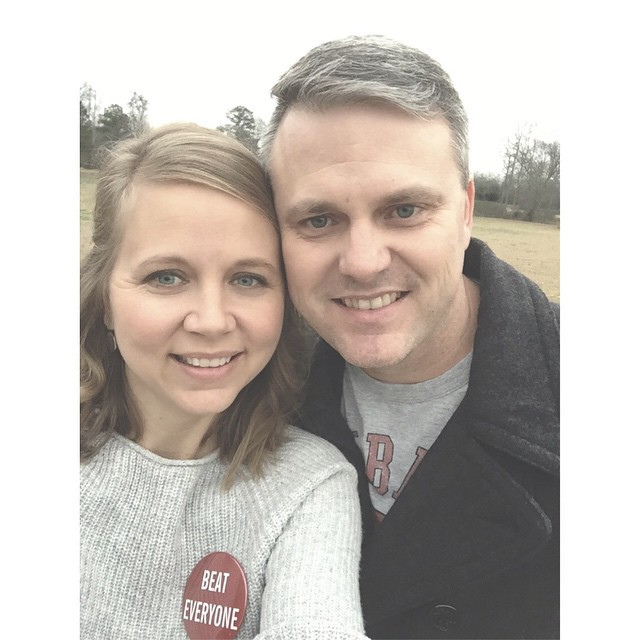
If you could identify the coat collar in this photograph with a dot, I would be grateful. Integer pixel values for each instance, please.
(514, 380)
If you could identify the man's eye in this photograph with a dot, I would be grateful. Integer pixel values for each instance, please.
(406, 210)
(318, 222)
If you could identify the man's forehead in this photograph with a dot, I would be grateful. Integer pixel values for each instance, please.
(301, 126)
(301, 112)
(359, 133)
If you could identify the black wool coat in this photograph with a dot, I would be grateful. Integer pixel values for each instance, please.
(470, 549)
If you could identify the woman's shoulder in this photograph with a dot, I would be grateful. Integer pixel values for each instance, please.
(297, 439)
(307, 456)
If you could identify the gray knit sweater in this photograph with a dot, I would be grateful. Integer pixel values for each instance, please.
(146, 522)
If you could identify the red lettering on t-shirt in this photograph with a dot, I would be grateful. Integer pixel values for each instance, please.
(378, 461)
(420, 451)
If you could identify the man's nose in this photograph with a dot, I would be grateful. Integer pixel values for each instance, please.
(365, 253)
(209, 312)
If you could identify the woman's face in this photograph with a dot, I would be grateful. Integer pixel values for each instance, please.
(196, 300)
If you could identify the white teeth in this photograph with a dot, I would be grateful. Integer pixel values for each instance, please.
(374, 303)
(203, 362)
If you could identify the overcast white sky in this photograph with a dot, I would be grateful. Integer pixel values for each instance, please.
(197, 60)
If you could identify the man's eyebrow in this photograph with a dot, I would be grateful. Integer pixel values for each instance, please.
(310, 206)
(412, 195)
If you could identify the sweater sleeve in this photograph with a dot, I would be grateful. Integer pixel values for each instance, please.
(311, 588)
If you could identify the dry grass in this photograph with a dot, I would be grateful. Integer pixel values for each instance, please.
(532, 248)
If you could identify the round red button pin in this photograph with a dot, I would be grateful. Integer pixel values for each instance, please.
(215, 598)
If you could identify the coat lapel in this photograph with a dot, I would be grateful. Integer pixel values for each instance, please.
(514, 388)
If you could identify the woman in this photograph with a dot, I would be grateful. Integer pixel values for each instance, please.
(202, 513)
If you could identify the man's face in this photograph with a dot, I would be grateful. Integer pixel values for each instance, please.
(374, 226)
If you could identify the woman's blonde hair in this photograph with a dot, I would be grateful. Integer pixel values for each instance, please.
(179, 153)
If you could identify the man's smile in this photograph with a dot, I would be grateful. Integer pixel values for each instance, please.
(374, 302)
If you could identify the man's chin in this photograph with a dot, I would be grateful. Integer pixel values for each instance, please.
(370, 355)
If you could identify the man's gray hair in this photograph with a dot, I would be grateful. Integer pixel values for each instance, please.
(371, 69)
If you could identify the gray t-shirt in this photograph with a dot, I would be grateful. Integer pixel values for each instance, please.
(396, 424)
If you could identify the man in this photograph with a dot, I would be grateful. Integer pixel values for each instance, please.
(437, 372)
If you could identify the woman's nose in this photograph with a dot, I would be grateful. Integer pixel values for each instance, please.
(209, 313)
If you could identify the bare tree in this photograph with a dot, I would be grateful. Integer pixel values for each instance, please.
(88, 122)
(138, 113)
(514, 154)
(88, 99)
(532, 174)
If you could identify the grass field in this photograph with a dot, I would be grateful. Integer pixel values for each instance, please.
(532, 248)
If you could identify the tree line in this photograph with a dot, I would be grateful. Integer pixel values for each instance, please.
(528, 188)
(100, 130)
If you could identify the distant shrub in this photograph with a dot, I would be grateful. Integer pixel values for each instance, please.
(485, 209)
(543, 216)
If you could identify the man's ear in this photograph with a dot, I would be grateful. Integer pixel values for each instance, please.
(471, 196)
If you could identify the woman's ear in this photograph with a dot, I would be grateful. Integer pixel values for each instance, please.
(107, 319)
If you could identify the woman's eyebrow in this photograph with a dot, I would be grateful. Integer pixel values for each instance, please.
(255, 263)
(175, 260)
(161, 259)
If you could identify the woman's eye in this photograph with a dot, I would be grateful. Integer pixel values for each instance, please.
(405, 210)
(247, 280)
(165, 279)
